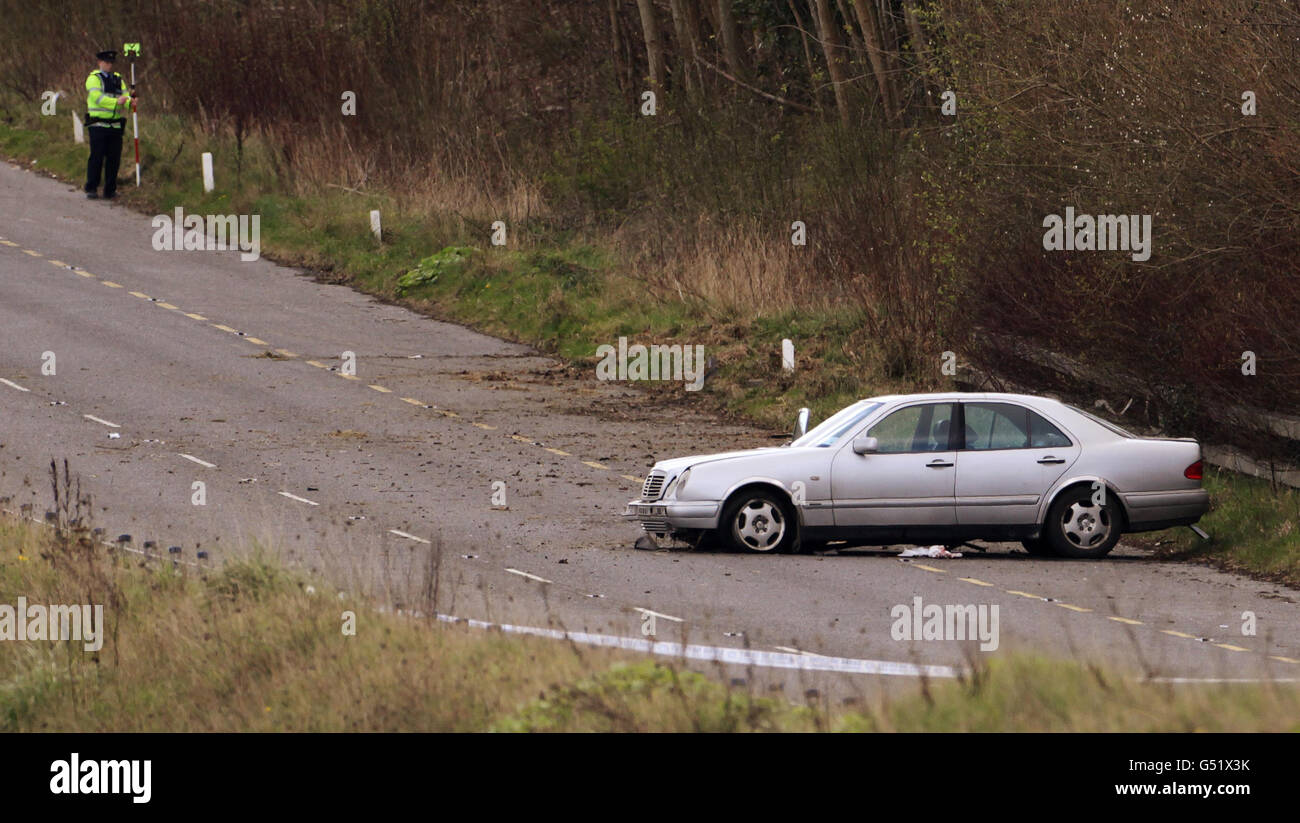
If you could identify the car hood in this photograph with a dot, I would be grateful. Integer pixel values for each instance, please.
(679, 464)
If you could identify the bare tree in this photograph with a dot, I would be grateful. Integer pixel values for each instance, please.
(875, 53)
(730, 38)
(833, 47)
(687, 40)
(654, 46)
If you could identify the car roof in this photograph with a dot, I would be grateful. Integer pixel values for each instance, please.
(960, 396)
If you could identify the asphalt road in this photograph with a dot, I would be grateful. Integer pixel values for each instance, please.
(174, 367)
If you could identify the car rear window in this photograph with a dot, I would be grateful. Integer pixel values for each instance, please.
(1105, 423)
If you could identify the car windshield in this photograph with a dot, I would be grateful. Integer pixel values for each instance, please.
(830, 430)
(1109, 425)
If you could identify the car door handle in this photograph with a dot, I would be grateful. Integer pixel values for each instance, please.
(939, 464)
(1050, 459)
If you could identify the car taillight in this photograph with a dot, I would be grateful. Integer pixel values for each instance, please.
(1193, 472)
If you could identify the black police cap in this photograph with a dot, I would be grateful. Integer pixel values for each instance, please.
(106, 56)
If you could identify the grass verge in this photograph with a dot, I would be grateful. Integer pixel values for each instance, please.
(1254, 529)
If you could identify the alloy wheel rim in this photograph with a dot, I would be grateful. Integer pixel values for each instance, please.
(1086, 525)
(760, 525)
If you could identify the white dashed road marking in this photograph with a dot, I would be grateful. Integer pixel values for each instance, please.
(529, 576)
(11, 384)
(194, 459)
(409, 536)
(299, 499)
(659, 614)
(101, 420)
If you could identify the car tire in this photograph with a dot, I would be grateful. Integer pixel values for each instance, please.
(1038, 547)
(1076, 527)
(760, 521)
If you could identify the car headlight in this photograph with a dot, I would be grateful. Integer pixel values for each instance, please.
(680, 482)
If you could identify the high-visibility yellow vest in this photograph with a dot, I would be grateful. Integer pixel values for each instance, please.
(101, 100)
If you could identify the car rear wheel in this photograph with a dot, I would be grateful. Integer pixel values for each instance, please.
(1078, 527)
(759, 521)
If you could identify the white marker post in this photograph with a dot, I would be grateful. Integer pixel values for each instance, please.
(374, 226)
(787, 354)
(78, 133)
(208, 183)
(135, 126)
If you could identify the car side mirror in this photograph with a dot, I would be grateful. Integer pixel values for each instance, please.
(801, 423)
(865, 445)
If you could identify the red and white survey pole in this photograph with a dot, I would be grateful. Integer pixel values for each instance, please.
(135, 126)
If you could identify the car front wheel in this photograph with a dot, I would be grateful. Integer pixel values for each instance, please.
(1078, 527)
(759, 521)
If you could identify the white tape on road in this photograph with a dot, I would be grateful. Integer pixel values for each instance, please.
(299, 499)
(101, 420)
(11, 384)
(721, 654)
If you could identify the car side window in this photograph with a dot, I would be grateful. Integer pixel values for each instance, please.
(1043, 435)
(1007, 426)
(922, 428)
(996, 426)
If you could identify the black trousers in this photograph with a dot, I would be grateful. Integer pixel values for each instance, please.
(105, 154)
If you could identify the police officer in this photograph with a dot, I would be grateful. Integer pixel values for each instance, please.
(107, 103)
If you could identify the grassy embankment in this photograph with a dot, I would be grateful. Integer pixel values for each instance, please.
(568, 295)
(256, 647)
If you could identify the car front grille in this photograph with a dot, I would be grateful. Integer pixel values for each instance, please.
(654, 486)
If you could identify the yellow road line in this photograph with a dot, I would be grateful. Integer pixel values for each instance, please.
(1125, 620)
(630, 477)
(85, 273)
(595, 465)
(1283, 659)
(285, 353)
(193, 316)
(59, 263)
(225, 328)
(485, 426)
(111, 284)
(1072, 608)
(975, 581)
(32, 253)
(169, 306)
(1231, 647)
(317, 364)
(930, 568)
(256, 341)
(1173, 633)
(139, 294)
(410, 400)
(1024, 594)
(381, 389)
(348, 376)
(560, 452)
(9, 243)
(520, 438)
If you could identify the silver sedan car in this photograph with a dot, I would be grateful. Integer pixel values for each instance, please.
(933, 468)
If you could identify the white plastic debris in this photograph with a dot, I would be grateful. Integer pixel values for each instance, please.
(933, 551)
